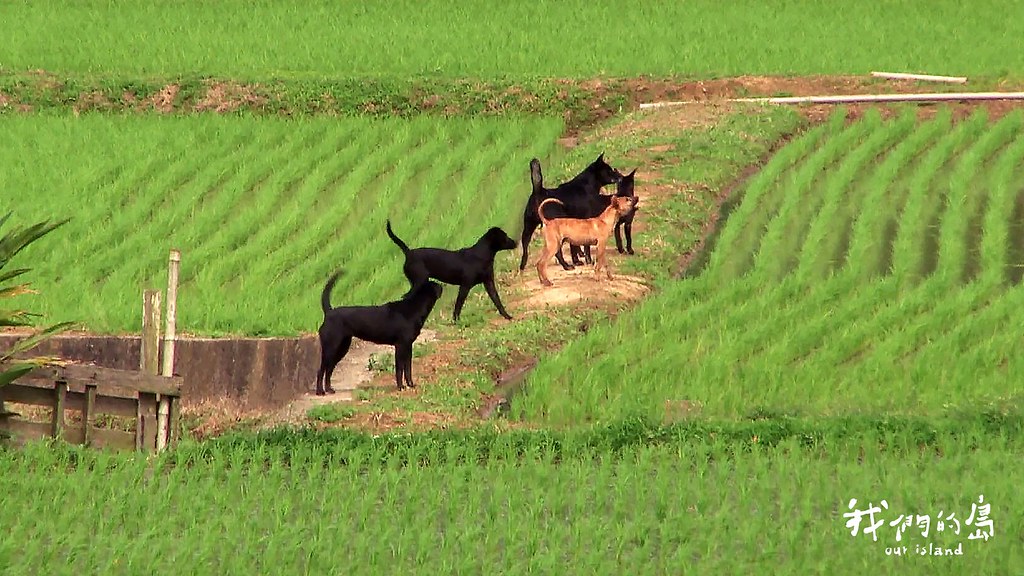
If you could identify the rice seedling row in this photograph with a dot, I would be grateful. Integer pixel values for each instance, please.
(263, 210)
(839, 332)
(275, 39)
(439, 506)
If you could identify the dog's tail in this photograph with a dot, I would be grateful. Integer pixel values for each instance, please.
(536, 177)
(540, 208)
(325, 298)
(397, 240)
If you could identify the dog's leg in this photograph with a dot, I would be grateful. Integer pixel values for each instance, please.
(460, 300)
(629, 236)
(550, 244)
(618, 237)
(492, 291)
(320, 377)
(529, 227)
(572, 254)
(586, 252)
(340, 353)
(602, 261)
(575, 253)
(399, 368)
(408, 367)
(403, 365)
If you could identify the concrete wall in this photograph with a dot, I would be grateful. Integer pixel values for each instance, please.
(257, 372)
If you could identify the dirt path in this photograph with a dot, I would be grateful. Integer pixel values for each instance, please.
(352, 372)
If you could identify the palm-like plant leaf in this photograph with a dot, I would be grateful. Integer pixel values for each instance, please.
(12, 242)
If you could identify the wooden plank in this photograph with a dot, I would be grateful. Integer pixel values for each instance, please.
(79, 387)
(82, 374)
(140, 425)
(89, 414)
(26, 430)
(146, 431)
(149, 356)
(60, 392)
(102, 404)
(127, 407)
(75, 434)
(113, 439)
(31, 395)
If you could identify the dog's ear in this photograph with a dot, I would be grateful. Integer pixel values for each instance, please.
(600, 158)
(631, 174)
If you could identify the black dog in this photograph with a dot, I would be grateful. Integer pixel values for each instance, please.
(625, 188)
(396, 323)
(464, 268)
(573, 195)
(598, 204)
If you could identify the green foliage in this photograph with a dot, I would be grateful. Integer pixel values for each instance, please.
(546, 38)
(631, 498)
(865, 270)
(330, 413)
(578, 103)
(262, 209)
(13, 241)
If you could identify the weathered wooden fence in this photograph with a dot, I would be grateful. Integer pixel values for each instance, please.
(153, 401)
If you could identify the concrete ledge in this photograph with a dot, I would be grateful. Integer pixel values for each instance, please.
(255, 372)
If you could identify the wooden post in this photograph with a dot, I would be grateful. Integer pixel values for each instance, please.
(89, 416)
(149, 354)
(60, 393)
(173, 421)
(163, 428)
(146, 432)
(172, 310)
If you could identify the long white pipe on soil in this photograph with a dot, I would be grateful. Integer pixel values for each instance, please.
(856, 98)
(924, 77)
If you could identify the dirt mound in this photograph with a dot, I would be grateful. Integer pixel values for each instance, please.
(570, 286)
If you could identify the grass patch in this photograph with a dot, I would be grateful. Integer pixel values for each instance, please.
(248, 41)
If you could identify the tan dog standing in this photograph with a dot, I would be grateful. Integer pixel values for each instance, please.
(582, 232)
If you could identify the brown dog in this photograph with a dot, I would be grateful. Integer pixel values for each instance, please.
(581, 232)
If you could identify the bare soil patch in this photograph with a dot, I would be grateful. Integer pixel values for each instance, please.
(576, 285)
(230, 96)
(163, 101)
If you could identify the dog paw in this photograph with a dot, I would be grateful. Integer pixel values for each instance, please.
(320, 392)
(630, 251)
(330, 391)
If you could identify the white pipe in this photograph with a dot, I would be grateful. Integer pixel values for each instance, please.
(854, 98)
(925, 77)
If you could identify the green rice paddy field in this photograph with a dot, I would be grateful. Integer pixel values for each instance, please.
(263, 210)
(513, 504)
(871, 267)
(851, 332)
(546, 38)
